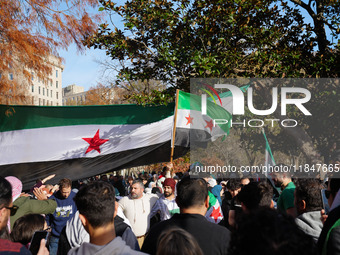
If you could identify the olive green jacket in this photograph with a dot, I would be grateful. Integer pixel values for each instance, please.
(27, 205)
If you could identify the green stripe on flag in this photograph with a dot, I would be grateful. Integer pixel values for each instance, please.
(192, 102)
(27, 117)
(187, 101)
(212, 200)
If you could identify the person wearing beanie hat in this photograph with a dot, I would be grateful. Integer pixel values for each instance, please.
(170, 182)
(166, 204)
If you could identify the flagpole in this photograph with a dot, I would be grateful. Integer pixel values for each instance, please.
(270, 155)
(267, 144)
(174, 129)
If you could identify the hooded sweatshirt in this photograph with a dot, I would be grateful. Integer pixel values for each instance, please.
(66, 208)
(116, 247)
(75, 231)
(76, 234)
(310, 223)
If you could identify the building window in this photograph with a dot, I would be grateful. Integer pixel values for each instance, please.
(32, 88)
(11, 76)
(39, 91)
(32, 74)
(56, 84)
(56, 73)
(51, 94)
(43, 101)
(32, 100)
(51, 83)
(39, 101)
(56, 94)
(44, 94)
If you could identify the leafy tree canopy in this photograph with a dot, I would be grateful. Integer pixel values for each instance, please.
(173, 41)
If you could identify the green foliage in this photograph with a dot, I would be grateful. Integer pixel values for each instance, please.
(173, 41)
(154, 98)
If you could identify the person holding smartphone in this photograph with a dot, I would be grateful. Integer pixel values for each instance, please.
(36, 240)
(7, 209)
(25, 227)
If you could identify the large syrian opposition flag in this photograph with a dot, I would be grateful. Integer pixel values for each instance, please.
(199, 128)
(81, 141)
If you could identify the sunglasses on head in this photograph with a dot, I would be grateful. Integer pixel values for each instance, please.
(12, 209)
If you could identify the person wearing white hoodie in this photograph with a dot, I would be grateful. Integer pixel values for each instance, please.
(97, 209)
(74, 233)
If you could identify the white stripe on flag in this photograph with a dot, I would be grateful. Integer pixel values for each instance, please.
(198, 122)
(66, 142)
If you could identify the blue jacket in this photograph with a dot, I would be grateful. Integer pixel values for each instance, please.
(66, 208)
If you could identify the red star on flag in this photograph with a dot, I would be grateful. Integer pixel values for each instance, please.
(209, 125)
(95, 142)
(216, 213)
(189, 120)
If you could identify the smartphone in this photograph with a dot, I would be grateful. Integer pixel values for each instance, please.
(325, 204)
(36, 239)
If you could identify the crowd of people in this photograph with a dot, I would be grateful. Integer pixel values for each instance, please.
(160, 213)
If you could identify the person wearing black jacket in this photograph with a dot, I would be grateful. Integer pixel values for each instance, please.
(193, 201)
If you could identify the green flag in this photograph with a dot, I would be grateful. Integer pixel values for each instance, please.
(194, 128)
